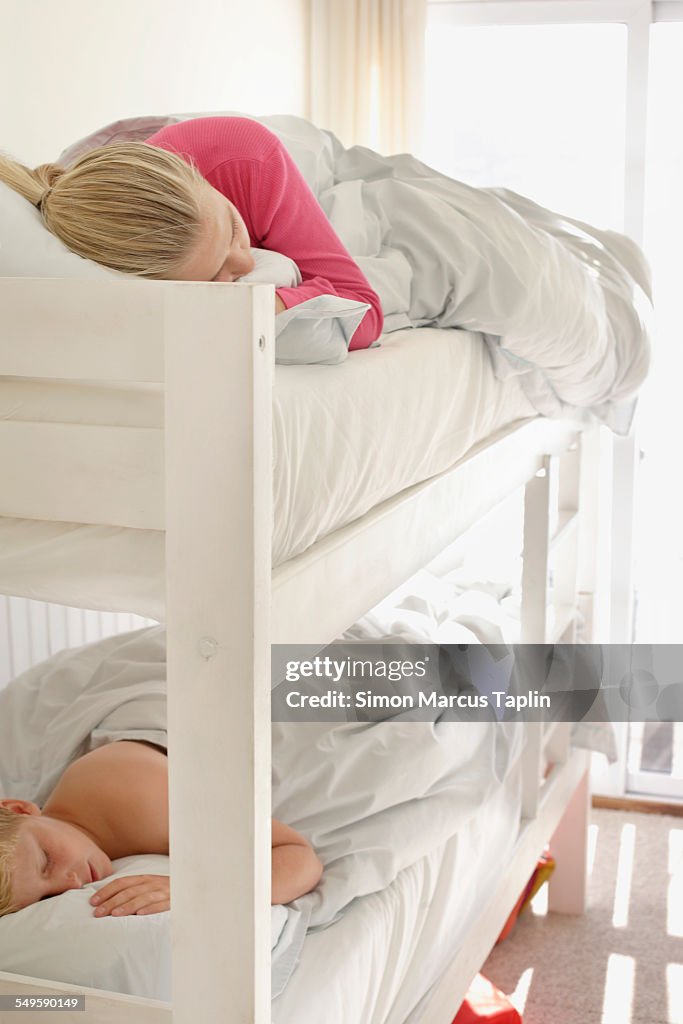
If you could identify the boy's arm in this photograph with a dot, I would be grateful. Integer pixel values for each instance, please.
(295, 866)
(295, 871)
(133, 894)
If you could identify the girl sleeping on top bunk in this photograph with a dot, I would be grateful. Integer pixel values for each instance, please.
(552, 297)
(113, 802)
(189, 203)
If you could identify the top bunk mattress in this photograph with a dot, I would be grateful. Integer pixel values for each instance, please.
(345, 438)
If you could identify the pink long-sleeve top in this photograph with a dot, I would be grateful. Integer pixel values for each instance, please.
(248, 164)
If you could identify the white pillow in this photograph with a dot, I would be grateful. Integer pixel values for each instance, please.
(272, 268)
(59, 939)
(28, 249)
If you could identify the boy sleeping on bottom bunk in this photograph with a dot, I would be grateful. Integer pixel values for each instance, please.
(113, 802)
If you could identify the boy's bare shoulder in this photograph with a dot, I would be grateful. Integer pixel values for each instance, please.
(122, 790)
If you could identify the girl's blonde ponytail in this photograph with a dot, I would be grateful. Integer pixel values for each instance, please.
(128, 206)
(31, 184)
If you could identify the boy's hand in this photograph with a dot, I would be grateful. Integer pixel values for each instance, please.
(133, 894)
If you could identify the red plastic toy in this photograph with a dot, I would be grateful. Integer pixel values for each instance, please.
(485, 1003)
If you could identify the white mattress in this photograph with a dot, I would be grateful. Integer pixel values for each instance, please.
(377, 963)
(345, 439)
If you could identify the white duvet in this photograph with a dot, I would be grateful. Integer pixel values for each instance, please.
(557, 300)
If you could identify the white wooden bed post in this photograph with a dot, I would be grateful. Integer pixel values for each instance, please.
(219, 357)
(595, 535)
(561, 572)
(567, 549)
(568, 888)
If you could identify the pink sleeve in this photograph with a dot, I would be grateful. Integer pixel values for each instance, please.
(286, 217)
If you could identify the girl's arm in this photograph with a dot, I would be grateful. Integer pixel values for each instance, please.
(295, 866)
(293, 223)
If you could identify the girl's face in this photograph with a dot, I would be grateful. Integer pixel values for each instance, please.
(52, 856)
(222, 252)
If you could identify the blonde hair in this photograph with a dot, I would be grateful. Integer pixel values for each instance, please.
(128, 206)
(9, 833)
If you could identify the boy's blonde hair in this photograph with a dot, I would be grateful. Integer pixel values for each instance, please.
(9, 833)
(128, 206)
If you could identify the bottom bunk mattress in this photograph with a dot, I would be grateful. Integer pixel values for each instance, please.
(377, 964)
(345, 439)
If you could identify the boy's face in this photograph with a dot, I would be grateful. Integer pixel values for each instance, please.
(52, 856)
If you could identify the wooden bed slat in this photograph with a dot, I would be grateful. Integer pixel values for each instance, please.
(90, 330)
(100, 1007)
(80, 473)
(78, 330)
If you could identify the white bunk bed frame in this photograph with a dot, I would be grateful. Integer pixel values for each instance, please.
(212, 348)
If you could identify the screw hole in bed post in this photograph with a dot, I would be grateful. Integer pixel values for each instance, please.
(208, 647)
(262, 342)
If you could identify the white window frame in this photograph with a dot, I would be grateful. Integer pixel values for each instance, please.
(637, 16)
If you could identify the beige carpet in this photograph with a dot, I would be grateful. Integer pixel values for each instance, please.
(620, 963)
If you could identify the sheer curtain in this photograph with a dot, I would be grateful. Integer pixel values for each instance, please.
(367, 66)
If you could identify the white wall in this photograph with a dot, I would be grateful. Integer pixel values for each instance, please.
(68, 67)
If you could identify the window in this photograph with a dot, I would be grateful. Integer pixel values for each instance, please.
(549, 133)
(549, 98)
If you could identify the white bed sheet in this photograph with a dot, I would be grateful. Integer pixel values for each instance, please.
(376, 964)
(345, 439)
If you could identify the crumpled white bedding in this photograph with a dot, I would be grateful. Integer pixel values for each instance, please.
(554, 297)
